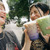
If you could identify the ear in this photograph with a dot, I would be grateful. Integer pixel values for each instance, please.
(47, 12)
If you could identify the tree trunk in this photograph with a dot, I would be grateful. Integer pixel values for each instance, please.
(19, 20)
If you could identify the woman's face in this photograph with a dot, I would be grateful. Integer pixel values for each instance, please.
(34, 13)
(2, 16)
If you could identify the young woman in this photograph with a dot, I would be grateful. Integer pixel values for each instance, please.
(8, 40)
(37, 10)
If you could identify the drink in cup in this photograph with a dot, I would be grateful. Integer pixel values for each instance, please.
(43, 23)
(32, 30)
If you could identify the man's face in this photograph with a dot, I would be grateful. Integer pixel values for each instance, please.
(34, 14)
(2, 16)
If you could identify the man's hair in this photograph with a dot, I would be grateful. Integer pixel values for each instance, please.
(42, 6)
(1, 3)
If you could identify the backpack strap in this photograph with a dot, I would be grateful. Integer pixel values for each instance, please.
(13, 39)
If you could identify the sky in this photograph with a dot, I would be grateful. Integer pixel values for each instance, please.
(6, 5)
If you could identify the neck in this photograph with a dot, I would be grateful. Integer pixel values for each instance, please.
(1, 29)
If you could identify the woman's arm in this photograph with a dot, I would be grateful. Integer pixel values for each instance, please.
(27, 43)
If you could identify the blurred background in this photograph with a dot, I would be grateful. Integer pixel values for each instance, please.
(18, 14)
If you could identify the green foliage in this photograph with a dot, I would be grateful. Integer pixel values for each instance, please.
(11, 2)
(11, 14)
(19, 25)
(37, 1)
(19, 8)
(7, 17)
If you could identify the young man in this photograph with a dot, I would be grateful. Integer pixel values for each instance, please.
(37, 10)
(8, 40)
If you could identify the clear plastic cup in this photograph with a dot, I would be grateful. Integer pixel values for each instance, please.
(32, 30)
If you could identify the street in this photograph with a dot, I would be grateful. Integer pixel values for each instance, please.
(17, 30)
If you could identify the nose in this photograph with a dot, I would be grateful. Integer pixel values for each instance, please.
(33, 16)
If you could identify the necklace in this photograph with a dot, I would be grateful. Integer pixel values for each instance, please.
(3, 35)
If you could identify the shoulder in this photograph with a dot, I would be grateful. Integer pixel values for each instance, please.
(10, 32)
(13, 37)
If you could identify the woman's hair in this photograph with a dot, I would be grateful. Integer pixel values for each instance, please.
(42, 6)
(1, 3)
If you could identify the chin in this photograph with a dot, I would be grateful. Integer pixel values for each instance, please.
(32, 19)
(2, 23)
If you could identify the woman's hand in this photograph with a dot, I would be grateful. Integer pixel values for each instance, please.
(27, 43)
(26, 36)
(39, 30)
(47, 29)
(46, 37)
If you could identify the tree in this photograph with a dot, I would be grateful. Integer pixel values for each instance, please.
(19, 8)
(37, 1)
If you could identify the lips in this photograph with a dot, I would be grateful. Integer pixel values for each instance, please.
(33, 17)
(2, 17)
(2, 14)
